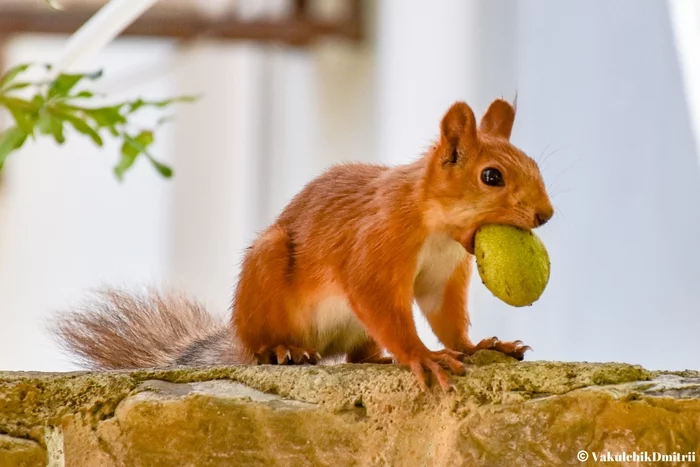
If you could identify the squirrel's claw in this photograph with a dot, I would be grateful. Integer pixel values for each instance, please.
(437, 363)
(286, 355)
(515, 349)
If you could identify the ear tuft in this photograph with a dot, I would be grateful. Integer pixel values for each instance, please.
(458, 124)
(499, 118)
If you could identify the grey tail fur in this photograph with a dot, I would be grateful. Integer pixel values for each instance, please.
(115, 329)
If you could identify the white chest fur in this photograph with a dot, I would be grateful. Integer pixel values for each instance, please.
(337, 329)
(437, 261)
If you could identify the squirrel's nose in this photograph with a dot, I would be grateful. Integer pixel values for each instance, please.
(542, 217)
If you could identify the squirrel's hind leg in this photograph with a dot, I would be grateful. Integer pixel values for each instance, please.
(263, 320)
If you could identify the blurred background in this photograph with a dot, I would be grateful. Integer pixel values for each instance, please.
(608, 103)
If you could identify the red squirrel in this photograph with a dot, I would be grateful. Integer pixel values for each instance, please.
(338, 271)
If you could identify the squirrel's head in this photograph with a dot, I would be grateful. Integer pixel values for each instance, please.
(475, 176)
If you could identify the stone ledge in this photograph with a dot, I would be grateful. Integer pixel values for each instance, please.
(502, 413)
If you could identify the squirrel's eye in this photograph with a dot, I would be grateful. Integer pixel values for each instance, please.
(492, 177)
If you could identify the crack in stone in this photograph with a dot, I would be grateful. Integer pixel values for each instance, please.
(55, 453)
(221, 389)
(675, 386)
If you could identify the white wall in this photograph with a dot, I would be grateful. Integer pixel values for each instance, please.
(66, 224)
(601, 103)
(607, 90)
(217, 154)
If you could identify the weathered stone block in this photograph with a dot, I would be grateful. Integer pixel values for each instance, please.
(503, 413)
(17, 452)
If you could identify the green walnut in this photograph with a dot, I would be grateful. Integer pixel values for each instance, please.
(513, 263)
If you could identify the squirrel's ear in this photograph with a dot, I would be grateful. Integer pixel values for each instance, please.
(458, 128)
(498, 119)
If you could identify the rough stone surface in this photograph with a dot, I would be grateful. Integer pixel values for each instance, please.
(503, 413)
(17, 452)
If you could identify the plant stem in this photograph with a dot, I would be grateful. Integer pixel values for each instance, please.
(99, 31)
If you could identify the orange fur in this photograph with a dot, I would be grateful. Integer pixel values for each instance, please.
(338, 271)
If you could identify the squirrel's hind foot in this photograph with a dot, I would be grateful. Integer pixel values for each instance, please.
(286, 355)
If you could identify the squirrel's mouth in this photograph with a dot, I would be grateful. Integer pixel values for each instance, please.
(468, 241)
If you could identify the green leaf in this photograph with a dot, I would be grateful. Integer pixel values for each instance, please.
(164, 170)
(145, 138)
(134, 147)
(140, 143)
(48, 124)
(25, 120)
(39, 101)
(18, 103)
(16, 86)
(139, 103)
(105, 116)
(131, 148)
(136, 105)
(12, 74)
(62, 85)
(125, 163)
(80, 125)
(86, 129)
(25, 113)
(83, 95)
(11, 139)
(50, 110)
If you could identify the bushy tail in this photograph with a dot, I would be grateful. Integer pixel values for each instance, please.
(116, 329)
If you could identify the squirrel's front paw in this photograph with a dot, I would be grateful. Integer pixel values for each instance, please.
(286, 355)
(515, 349)
(436, 363)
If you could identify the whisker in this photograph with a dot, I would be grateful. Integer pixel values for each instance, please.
(539, 158)
(552, 186)
(557, 193)
(562, 215)
(551, 154)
